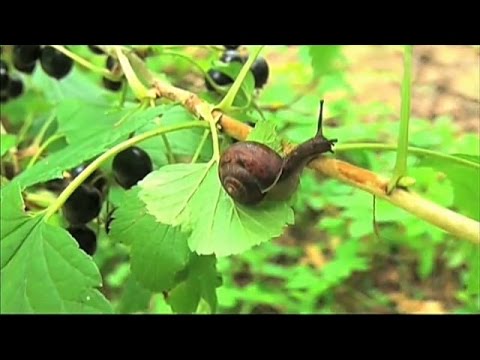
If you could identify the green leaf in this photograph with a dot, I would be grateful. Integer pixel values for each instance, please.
(134, 298)
(427, 260)
(79, 122)
(160, 306)
(191, 195)
(7, 141)
(465, 180)
(77, 85)
(200, 283)
(158, 257)
(93, 302)
(69, 157)
(472, 158)
(183, 143)
(158, 253)
(42, 268)
(323, 57)
(169, 191)
(346, 262)
(265, 133)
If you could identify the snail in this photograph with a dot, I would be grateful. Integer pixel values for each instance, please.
(251, 172)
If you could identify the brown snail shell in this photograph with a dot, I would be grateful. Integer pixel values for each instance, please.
(248, 170)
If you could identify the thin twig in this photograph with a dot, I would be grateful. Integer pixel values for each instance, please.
(458, 225)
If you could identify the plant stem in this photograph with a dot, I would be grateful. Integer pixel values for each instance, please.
(42, 200)
(142, 106)
(85, 63)
(112, 152)
(228, 100)
(123, 95)
(25, 127)
(42, 149)
(411, 149)
(401, 162)
(454, 223)
(140, 68)
(259, 110)
(39, 138)
(139, 90)
(171, 158)
(216, 146)
(200, 146)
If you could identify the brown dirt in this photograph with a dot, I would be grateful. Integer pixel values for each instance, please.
(446, 80)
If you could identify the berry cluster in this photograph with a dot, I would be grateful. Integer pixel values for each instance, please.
(259, 69)
(24, 59)
(112, 65)
(85, 203)
(53, 62)
(11, 87)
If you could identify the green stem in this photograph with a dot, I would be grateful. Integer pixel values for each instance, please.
(401, 162)
(227, 101)
(259, 110)
(130, 113)
(42, 149)
(42, 200)
(410, 149)
(216, 146)
(112, 152)
(85, 63)
(138, 88)
(25, 127)
(39, 138)
(200, 146)
(171, 158)
(123, 95)
(140, 68)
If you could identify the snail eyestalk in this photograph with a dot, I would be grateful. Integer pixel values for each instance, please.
(320, 120)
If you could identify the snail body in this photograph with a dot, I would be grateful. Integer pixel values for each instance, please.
(251, 172)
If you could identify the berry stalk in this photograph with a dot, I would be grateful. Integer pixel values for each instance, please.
(52, 209)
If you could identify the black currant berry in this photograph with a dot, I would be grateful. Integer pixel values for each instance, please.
(55, 63)
(110, 63)
(4, 77)
(95, 49)
(130, 166)
(79, 169)
(260, 72)
(232, 56)
(56, 185)
(15, 88)
(111, 84)
(26, 54)
(26, 69)
(97, 179)
(86, 238)
(83, 205)
(218, 78)
(231, 47)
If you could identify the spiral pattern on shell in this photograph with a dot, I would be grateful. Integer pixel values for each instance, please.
(242, 188)
(248, 169)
